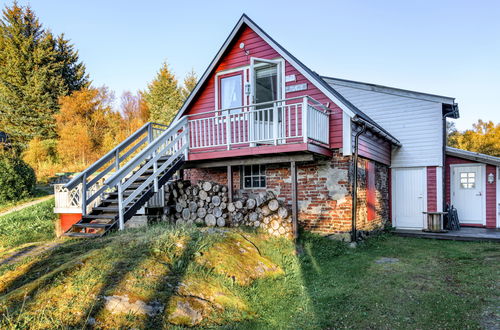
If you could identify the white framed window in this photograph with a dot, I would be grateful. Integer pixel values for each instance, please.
(467, 180)
(231, 92)
(254, 176)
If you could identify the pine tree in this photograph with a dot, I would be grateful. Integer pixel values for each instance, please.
(35, 70)
(163, 96)
(190, 82)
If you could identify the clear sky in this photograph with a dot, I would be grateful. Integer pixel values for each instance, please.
(450, 48)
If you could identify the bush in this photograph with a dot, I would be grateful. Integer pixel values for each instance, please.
(17, 179)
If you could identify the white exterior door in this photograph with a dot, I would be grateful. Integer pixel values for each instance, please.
(267, 86)
(467, 193)
(408, 197)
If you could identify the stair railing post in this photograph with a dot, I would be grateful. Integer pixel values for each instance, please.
(117, 159)
(305, 124)
(150, 133)
(84, 194)
(121, 222)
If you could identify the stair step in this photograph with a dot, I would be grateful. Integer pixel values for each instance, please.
(100, 216)
(106, 208)
(92, 225)
(82, 235)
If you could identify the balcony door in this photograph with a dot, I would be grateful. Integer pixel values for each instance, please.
(267, 87)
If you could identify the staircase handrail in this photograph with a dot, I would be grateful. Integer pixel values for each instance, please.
(173, 142)
(147, 130)
(126, 169)
(111, 154)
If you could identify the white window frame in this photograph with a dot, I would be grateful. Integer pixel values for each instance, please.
(243, 176)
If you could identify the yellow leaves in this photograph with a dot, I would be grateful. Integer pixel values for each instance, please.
(484, 137)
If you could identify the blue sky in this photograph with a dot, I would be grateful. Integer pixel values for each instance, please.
(449, 48)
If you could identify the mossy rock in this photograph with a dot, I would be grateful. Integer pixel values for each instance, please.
(238, 258)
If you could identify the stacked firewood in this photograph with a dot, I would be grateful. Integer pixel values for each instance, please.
(203, 203)
(262, 210)
(207, 203)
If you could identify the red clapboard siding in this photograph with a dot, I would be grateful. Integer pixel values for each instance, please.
(370, 191)
(431, 189)
(491, 190)
(374, 148)
(235, 57)
(491, 198)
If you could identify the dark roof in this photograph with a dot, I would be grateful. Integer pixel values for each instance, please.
(245, 20)
(475, 156)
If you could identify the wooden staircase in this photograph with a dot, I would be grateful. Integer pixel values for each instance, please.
(104, 217)
(132, 184)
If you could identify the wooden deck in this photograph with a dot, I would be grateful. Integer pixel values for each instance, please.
(464, 234)
(261, 150)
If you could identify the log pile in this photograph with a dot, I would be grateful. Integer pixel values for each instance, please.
(207, 203)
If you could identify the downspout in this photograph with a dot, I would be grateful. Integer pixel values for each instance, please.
(444, 171)
(355, 183)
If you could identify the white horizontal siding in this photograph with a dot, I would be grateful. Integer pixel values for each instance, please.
(417, 124)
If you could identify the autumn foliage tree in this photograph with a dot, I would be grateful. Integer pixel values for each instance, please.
(82, 124)
(484, 137)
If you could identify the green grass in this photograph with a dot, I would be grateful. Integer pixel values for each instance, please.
(32, 224)
(436, 284)
(40, 192)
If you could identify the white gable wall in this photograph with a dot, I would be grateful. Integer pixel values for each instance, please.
(417, 124)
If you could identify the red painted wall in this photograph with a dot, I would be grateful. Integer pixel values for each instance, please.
(235, 57)
(431, 189)
(371, 146)
(491, 189)
(375, 148)
(491, 198)
(371, 190)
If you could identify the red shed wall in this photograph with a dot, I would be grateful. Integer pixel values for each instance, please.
(432, 189)
(375, 148)
(491, 189)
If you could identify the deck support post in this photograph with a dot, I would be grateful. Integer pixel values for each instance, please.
(295, 216)
(230, 183)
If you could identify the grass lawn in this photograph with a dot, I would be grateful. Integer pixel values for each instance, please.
(40, 192)
(32, 224)
(435, 284)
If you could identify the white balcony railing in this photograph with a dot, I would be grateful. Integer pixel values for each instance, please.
(278, 122)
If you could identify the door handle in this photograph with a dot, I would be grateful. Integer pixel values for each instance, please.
(479, 194)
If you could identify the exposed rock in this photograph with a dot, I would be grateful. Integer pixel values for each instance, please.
(122, 304)
(238, 259)
(385, 260)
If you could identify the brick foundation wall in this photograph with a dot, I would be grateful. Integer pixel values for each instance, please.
(324, 192)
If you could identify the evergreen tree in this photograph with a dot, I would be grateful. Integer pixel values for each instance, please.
(163, 96)
(35, 70)
(190, 82)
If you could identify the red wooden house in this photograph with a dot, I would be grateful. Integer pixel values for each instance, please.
(259, 119)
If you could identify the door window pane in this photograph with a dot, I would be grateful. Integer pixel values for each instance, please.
(231, 92)
(266, 84)
(467, 180)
